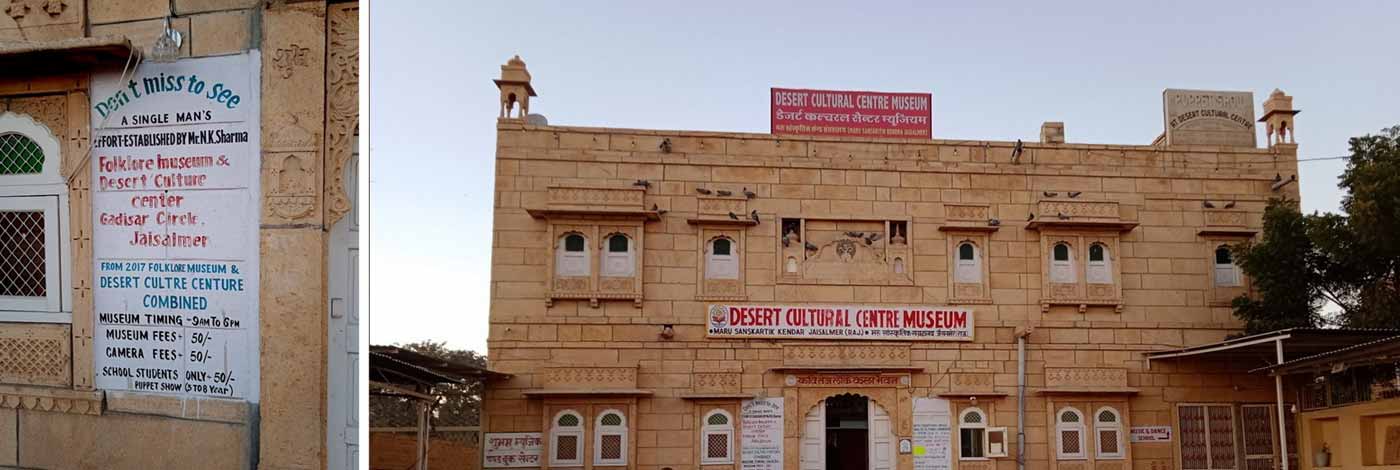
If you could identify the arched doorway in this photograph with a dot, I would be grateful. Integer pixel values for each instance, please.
(847, 432)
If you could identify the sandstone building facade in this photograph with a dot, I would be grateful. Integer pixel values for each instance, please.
(87, 381)
(618, 252)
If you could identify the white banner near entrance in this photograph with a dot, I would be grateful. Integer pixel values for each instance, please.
(869, 322)
(175, 184)
(933, 434)
(762, 434)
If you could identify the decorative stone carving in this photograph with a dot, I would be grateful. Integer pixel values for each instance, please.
(970, 381)
(585, 377)
(17, 9)
(49, 110)
(1079, 211)
(716, 382)
(342, 104)
(1085, 377)
(617, 284)
(290, 187)
(561, 197)
(723, 206)
(1225, 218)
(54, 7)
(838, 356)
(36, 354)
(967, 212)
(51, 400)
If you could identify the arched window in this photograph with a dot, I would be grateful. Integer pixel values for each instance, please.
(972, 433)
(571, 258)
(618, 260)
(1108, 429)
(1226, 273)
(1061, 263)
(566, 439)
(33, 199)
(1069, 428)
(1099, 270)
(721, 259)
(717, 438)
(968, 269)
(610, 439)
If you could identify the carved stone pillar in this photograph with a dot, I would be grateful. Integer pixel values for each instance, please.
(293, 409)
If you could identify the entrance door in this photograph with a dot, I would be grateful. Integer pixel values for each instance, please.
(343, 364)
(881, 439)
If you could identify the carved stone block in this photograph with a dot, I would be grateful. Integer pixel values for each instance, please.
(564, 197)
(716, 382)
(1079, 211)
(36, 354)
(1225, 218)
(967, 212)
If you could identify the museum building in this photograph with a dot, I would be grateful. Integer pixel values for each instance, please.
(178, 234)
(667, 299)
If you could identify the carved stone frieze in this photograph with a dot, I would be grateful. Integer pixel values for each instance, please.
(1080, 377)
(49, 110)
(967, 212)
(51, 400)
(586, 377)
(1096, 211)
(970, 381)
(723, 287)
(576, 196)
(833, 355)
(716, 382)
(571, 284)
(342, 104)
(290, 186)
(617, 284)
(1225, 218)
(723, 206)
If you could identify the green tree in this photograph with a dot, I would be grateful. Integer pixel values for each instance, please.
(1349, 260)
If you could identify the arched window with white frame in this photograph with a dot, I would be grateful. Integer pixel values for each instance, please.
(618, 256)
(968, 267)
(972, 434)
(33, 224)
(722, 259)
(1227, 274)
(610, 439)
(566, 440)
(571, 257)
(1069, 433)
(1099, 269)
(1108, 432)
(1062, 263)
(717, 438)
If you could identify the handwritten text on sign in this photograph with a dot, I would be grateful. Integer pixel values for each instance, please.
(175, 223)
(513, 449)
(841, 322)
(762, 434)
(852, 113)
(1150, 434)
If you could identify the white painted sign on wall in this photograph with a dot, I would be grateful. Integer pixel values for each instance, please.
(513, 449)
(762, 434)
(933, 434)
(1150, 434)
(175, 189)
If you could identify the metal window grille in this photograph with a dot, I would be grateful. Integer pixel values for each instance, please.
(718, 419)
(1069, 442)
(717, 446)
(610, 447)
(22, 253)
(1108, 441)
(20, 155)
(612, 420)
(566, 448)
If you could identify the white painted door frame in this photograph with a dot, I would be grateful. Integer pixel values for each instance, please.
(343, 351)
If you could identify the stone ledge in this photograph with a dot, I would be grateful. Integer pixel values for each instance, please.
(201, 409)
(58, 400)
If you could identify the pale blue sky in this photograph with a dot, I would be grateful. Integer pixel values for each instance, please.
(995, 73)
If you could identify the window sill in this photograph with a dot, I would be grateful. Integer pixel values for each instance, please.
(970, 301)
(593, 298)
(1083, 304)
(35, 317)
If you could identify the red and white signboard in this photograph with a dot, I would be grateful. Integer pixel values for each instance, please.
(513, 449)
(873, 322)
(1150, 434)
(852, 113)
